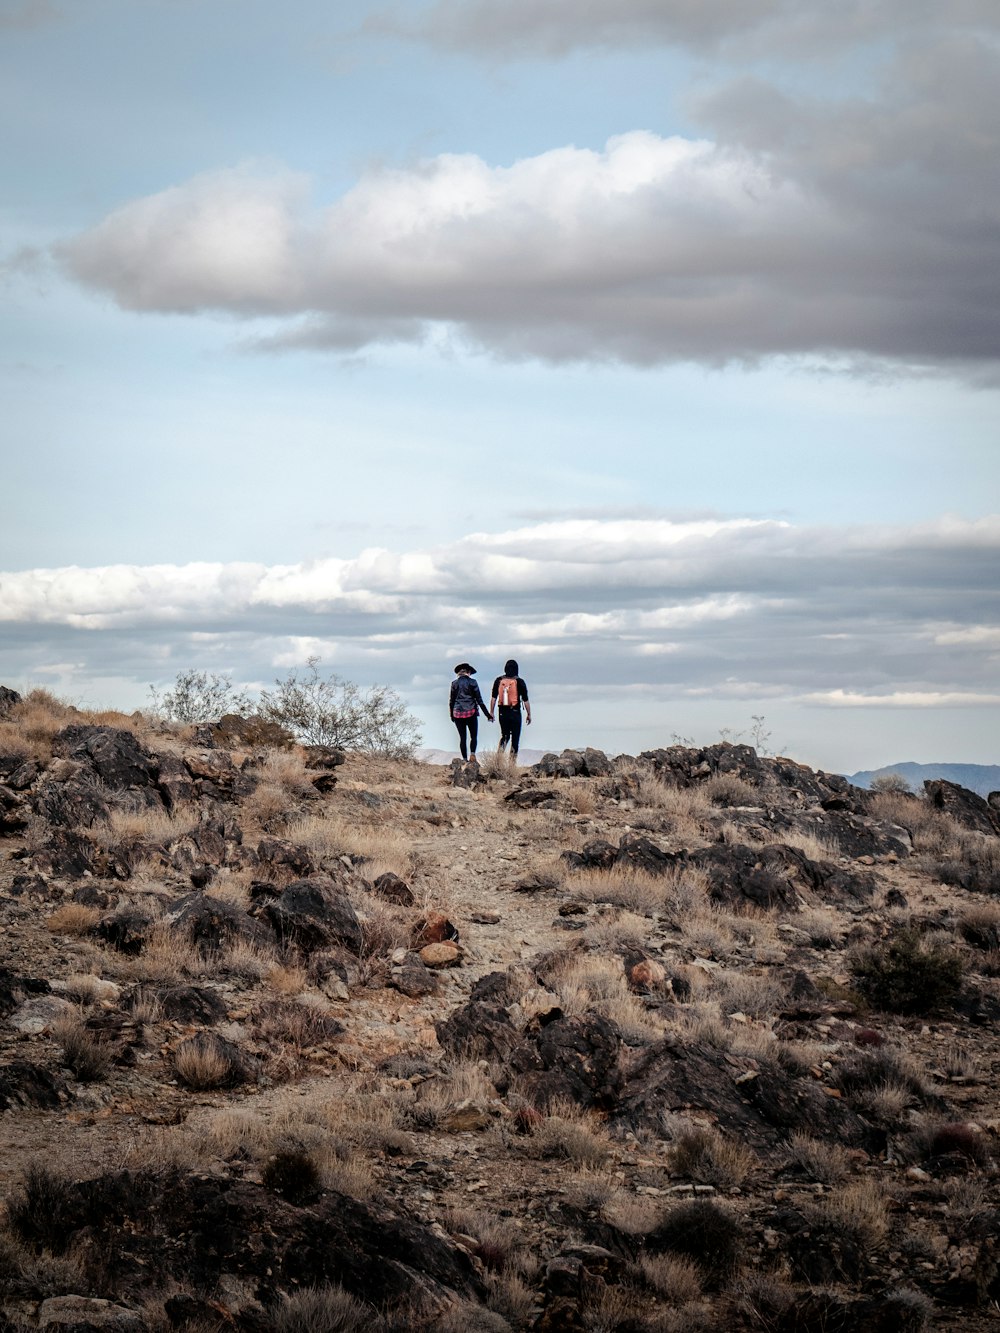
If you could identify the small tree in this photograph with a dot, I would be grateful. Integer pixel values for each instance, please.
(889, 782)
(200, 696)
(327, 710)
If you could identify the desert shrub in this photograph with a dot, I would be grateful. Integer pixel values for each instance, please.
(907, 974)
(671, 1276)
(857, 1209)
(702, 1153)
(332, 711)
(294, 1175)
(570, 1135)
(73, 919)
(894, 782)
(824, 928)
(41, 1208)
(508, 1295)
(873, 1067)
(498, 765)
(87, 1056)
(635, 891)
(707, 1234)
(753, 993)
(200, 696)
(327, 1309)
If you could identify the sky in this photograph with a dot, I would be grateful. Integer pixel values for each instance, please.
(654, 343)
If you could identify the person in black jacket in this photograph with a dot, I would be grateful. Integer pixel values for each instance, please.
(512, 693)
(464, 704)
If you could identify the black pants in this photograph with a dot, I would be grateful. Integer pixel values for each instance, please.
(468, 725)
(510, 728)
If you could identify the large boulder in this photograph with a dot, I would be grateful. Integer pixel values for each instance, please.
(211, 923)
(573, 1059)
(115, 757)
(8, 698)
(964, 806)
(314, 913)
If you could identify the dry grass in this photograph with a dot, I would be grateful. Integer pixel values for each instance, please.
(824, 927)
(130, 827)
(814, 845)
(87, 1057)
(633, 890)
(326, 1309)
(676, 1279)
(726, 789)
(569, 1134)
(201, 1064)
(758, 995)
(859, 1208)
(287, 978)
(499, 765)
(269, 806)
(377, 849)
(818, 1160)
(73, 919)
(702, 1153)
(29, 727)
(233, 886)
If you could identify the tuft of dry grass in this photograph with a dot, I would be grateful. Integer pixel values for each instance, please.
(823, 926)
(702, 1153)
(569, 1134)
(86, 1055)
(202, 1062)
(759, 995)
(633, 890)
(498, 765)
(73, 919)
(819, 1160)
(30, 726)
(378, 850)
(858, 1208)
(727, 789)
(676, 1279)
(814, 845)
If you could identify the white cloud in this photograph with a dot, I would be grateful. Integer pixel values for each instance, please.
(652, 250)
(903, 699)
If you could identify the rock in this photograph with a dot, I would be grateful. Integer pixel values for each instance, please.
(213, 766)
(211, 923)
(595, 763)
(573, 1059)
(115, 757)
(673, 1075)
(207, 1060)
(23, 776)
(596, 855)
(236, 732)
(15, 812)
(324, 757)
(466, 774)
(24, 1086)
(393, 889)
(528, 798)
(964, 806)
(412, 977)
(433, 928)
(478, 1030)
(282, 858)
(81, 1314)
(443, 954)
(466, 1117)
(127, 930)
(37, 1015)
(175, 782)
(191, 1004)
(8, 698)
(314, 913)
(638, 853)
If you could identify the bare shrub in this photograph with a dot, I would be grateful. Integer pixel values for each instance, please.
(87, 1056)
(818, 1160)
(333, 711)
(702, 1153)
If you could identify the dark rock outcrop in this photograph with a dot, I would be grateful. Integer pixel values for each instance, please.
(314, 913)
(115, 757)
(211, 923)
(24, 1085)
(964, 806)
(8, 698)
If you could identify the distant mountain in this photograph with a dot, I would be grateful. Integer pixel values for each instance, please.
(981, 778)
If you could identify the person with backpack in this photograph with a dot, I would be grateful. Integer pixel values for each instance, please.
(510, 691)
(464, 703)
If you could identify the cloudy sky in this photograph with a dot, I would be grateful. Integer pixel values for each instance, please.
(653, 342)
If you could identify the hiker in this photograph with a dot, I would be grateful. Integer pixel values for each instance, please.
(464, 703)
(511, 692)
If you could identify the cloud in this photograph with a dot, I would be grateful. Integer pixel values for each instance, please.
(876, 617)
(553, 28)
(857, 233)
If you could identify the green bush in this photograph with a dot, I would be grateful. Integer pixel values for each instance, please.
(908, 975)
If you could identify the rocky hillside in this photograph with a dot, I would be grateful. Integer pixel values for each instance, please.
(296, 1040)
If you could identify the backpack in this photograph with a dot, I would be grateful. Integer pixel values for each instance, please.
(508, 692)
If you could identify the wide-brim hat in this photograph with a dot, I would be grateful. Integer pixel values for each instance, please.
(464, 666)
